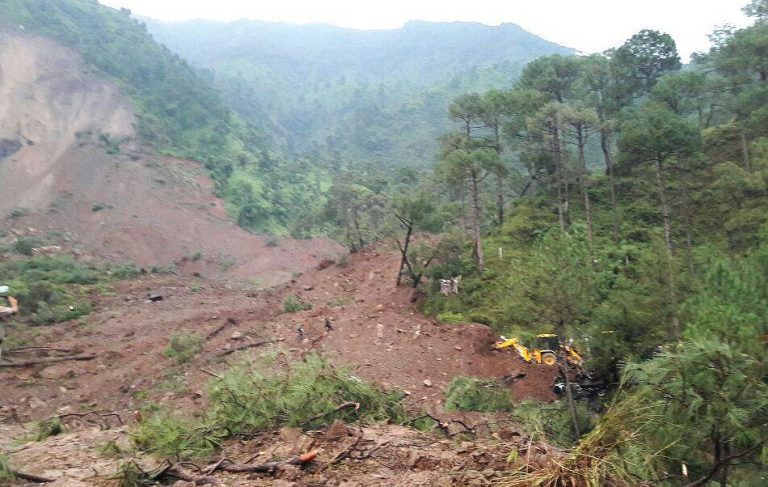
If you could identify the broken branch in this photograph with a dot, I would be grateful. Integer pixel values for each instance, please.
(49, 361)
(250, 345)
(345, 405)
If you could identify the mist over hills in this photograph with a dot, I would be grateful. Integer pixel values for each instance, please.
(353, 95)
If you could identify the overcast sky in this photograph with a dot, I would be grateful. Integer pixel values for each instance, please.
(587, 25)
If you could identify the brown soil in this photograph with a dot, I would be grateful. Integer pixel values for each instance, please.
(377, 331)
(131, 206)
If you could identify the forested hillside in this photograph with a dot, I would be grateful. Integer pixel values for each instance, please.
(620, 201)
(353, 97)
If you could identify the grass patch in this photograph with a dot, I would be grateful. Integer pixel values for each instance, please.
(57, 288)
(451, 318)
(47, 428)
(6, 476)
(19, 212)
(246, 400)
(184, 346)
(292, 304)
(470, 394)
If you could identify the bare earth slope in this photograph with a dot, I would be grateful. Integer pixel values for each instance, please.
(57, 123)
(377, 331)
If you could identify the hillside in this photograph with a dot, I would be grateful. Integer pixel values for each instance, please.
(74, 169)
(357, 96)
(177, 111)
(377, 333)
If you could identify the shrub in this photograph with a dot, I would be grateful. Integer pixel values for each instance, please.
(184, 346)
(165, 433)
(24, 246)
(47, 428)
(451, 318)
(6, 476)
(244, 400)
(470, 394)
(19, 212)
(293, 304)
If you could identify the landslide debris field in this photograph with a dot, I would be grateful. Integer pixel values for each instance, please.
(377, 331)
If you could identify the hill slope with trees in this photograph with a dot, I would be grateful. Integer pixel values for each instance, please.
(350, 96)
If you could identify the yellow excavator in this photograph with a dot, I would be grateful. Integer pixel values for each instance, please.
(546, 350)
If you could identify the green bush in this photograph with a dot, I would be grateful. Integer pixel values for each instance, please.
(47, 428)
(470, 394)
(25, 246)
(245, 400)
(451, 318)
(166, 433)
(293, 304)
(6, 476)
(184, 346)
(19, 212)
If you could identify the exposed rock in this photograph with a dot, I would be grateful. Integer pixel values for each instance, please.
(427, 383)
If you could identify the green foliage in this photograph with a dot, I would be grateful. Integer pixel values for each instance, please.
(450, 318)
(166, 433)
(47, 428)
(56, 288)
(129, 474)
(292, 304)
(18, 213)
(246, 400)
(471, 394)
(554, 421)
(5, 470)
(25, 246)
(184, 346)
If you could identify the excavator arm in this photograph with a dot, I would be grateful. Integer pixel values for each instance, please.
(521, 350)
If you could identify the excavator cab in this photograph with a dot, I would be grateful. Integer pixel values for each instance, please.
(546, 347)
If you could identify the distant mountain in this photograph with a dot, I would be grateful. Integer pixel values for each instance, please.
(352, 95)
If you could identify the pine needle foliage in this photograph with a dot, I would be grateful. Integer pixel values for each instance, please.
(246, 400)
(471, 394)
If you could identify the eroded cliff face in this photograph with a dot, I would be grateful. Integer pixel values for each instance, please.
(69, 157)
(48, 101)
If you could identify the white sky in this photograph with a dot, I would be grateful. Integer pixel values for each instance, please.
(587, 25)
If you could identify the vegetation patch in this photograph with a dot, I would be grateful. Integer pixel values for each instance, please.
(471, 394)
(292, 304)
(184, 346)
(56, 288)
(308, 394)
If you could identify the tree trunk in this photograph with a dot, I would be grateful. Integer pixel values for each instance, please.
(745, 151)
(476, 224)
(606, 147)
(585, 187)
(668, 243)
(558, 179)
(500, 198)
(563, 176)
(688, 223)
(409, 227)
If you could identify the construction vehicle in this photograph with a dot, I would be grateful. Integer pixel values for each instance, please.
(547, 349)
